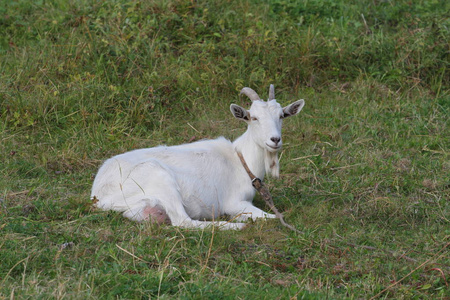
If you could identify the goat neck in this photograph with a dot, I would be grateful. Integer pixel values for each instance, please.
(253, 154)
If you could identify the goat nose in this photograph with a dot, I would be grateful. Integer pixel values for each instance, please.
(276, 140)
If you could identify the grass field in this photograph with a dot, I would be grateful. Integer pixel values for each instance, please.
(365, 169)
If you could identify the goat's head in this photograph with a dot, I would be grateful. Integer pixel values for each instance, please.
(265, 119)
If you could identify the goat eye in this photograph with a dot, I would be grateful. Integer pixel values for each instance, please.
(254, 119)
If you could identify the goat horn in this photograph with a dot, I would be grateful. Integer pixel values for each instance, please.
(271, 92)
(250, 93)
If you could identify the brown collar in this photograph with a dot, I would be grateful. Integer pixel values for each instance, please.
(250, 174)
(265, 194)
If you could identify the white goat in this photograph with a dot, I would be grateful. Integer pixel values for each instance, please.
(190, 183)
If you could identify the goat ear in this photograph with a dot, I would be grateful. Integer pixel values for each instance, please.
(294, 108)
(239, 112)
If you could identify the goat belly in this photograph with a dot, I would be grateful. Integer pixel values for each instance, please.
(205, 187)
(205, 174)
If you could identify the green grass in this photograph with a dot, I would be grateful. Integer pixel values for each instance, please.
(365, 170)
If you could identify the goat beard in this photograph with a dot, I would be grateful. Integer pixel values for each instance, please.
(271, 163)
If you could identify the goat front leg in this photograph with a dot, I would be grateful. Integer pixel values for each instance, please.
(245, 210)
